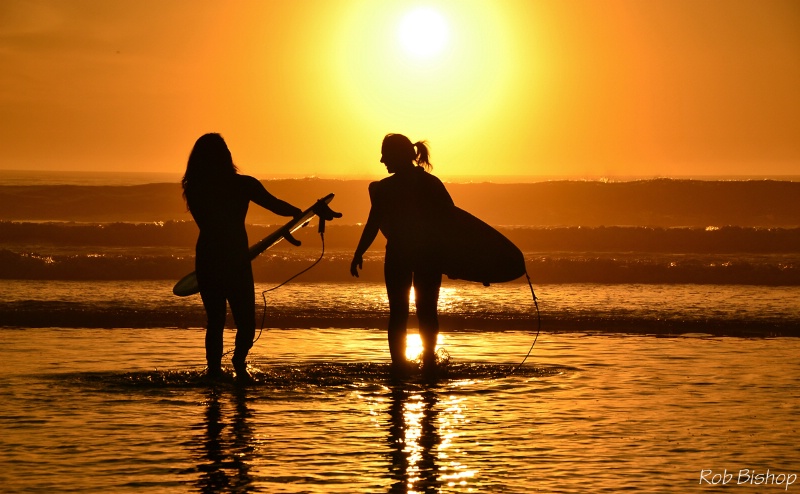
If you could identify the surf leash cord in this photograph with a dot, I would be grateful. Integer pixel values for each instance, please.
(264, 293)
(538, 325)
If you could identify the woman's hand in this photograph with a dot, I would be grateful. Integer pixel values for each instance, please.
(356, 264)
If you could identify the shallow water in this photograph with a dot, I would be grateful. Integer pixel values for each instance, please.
(665, 309)
(123, 410)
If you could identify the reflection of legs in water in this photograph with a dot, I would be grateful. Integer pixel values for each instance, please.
(225, 461)
(397, 441)
(212, 475)
(243, 443)
(414, 439)
(429, 440)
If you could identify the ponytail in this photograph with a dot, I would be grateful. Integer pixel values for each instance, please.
(400, 148)
(423, 155)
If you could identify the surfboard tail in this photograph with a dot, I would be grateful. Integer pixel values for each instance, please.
(472, 250)
(490, 269)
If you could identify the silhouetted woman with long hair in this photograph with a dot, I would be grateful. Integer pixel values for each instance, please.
(218, 197)
(405, 208)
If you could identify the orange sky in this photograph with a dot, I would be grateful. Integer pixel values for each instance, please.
(566, 88)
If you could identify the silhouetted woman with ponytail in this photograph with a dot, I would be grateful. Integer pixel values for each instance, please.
(405, 207)
(218, 197)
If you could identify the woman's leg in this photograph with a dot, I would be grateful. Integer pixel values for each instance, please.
(426, 290)
(210, 280)
(398, 278)
(215, 305)
(241, 297)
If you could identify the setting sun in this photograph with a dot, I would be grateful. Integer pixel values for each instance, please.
(619, 88)
(437, 72)
(423, 32)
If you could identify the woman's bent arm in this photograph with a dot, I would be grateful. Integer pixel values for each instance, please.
(259, 195)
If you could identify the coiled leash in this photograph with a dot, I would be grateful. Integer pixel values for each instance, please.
(538, 326)
(324, 213)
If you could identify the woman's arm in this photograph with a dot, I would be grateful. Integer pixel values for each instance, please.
(259, 195)
(367, 236)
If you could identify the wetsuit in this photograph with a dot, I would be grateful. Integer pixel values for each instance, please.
(407, 206)
(222, 261)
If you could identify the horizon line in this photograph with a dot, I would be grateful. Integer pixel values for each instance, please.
(462, 178)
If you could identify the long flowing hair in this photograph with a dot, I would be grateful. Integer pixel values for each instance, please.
(418, 153)
(210, 161)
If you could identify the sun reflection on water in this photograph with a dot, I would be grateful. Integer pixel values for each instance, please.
(452, 419)
(414, 345)
(424, 427)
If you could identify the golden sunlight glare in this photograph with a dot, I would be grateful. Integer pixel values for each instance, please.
(413, 346)
(423, 32)
(437, 72)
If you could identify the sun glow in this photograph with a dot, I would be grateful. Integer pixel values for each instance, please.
(423, 32)
(439, 71)
(413, 346)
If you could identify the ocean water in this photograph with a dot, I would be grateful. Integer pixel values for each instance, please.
(126, 410)
(721, 310)
(660, 356)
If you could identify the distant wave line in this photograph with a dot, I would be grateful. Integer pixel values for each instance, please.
(563, 267)
(183, 234)
(77, 315)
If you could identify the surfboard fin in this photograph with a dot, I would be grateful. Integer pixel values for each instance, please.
(289, 238)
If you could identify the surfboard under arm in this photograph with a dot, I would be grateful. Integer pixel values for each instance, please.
(471, 250)
(188, 284)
